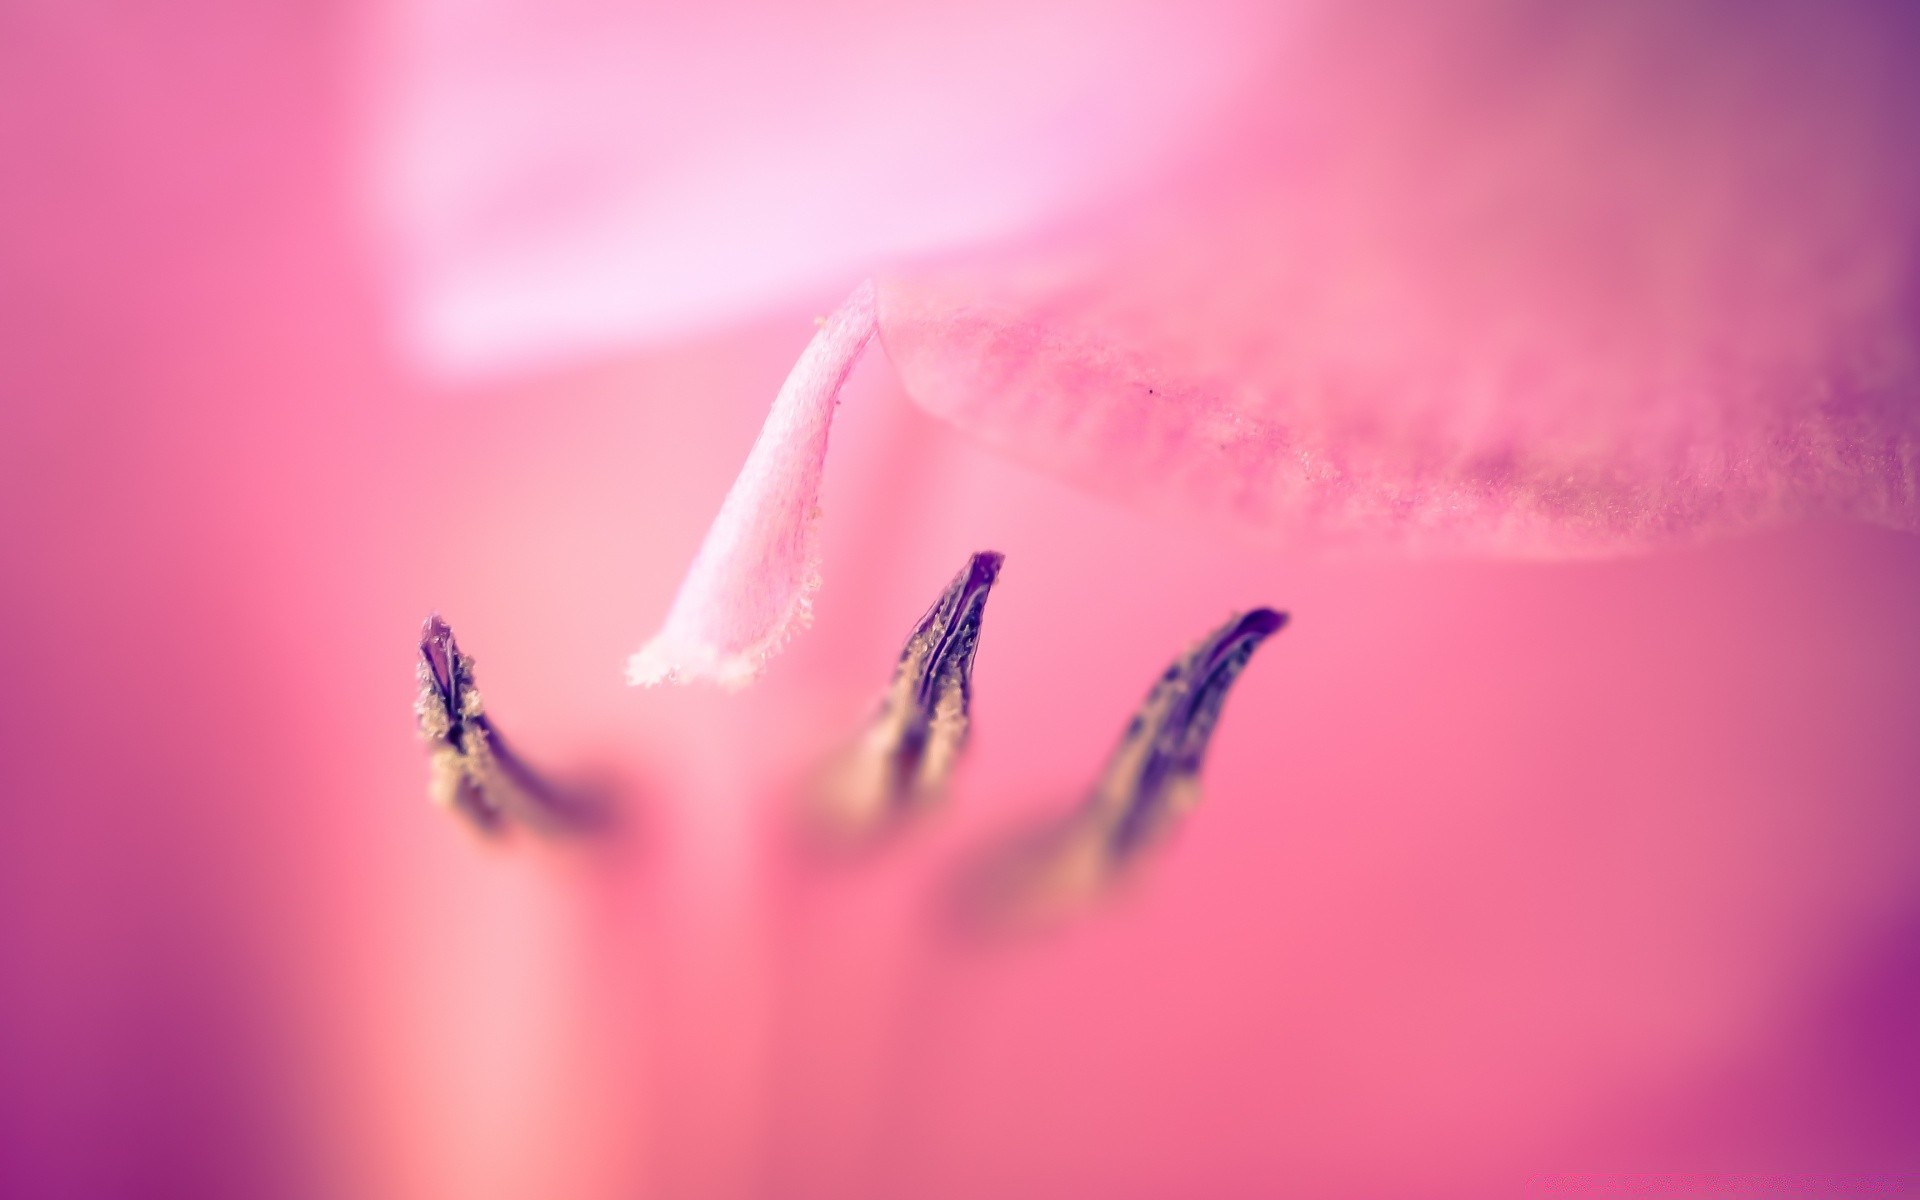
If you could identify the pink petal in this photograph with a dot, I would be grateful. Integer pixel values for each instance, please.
(1528, 278)
(559, 178)
(752, 582)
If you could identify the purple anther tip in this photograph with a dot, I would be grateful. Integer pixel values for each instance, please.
(438, 651)
(1174, 728)
(982, 569)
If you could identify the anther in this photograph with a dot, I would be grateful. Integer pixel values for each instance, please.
(472, 771)
(1154, 774)
(1152, 777)
(902, 763)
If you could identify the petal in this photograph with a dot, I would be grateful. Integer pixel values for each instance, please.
(752, 582)
(559, 178)
(1530, 278)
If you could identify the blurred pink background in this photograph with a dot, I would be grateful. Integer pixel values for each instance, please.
(1506, 872)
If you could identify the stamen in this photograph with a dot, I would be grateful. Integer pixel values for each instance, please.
(1154, 774)
(472, 771)
(752, 582)
(1152, 778)
(902, 763)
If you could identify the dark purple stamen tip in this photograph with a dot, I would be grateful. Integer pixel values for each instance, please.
(950, 632)
(903, 761)
(476, 772)
(438, 651)
(1039, 874)
(1166, 743)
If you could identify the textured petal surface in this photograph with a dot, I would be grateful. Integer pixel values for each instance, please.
(1528, 277)
(753, 580)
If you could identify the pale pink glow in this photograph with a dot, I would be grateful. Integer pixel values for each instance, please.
(558, 178)
(1526, 278)
(751, 585)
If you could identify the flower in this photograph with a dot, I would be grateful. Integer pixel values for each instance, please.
(1503, 870)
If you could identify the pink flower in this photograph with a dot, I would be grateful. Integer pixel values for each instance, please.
(1505, 874)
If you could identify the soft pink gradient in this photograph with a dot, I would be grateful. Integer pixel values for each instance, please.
(1501, 276)
(1503, 868)
(553, 177)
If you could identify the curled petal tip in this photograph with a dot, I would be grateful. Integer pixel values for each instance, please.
(751, 583)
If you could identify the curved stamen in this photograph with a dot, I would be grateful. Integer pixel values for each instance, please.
(1152, 777)
(472, 769)
(1154, 773)
(903, 761)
